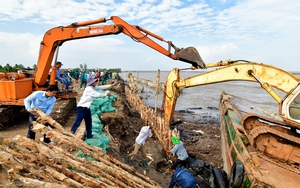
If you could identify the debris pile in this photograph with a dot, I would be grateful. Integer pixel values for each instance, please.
(25, 162)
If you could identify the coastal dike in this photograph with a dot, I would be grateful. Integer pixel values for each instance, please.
(148, 113)
(146, 82)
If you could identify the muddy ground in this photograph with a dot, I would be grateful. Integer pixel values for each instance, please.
(124, 127)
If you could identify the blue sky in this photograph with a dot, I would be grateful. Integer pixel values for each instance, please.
(262, 31)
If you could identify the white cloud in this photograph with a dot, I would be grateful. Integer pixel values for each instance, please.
(214, 53)
(226, 29)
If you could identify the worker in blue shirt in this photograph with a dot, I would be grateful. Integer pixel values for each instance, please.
(179, 150)
(83, 80)
(60, 77)
(43, 100)
(182, 177)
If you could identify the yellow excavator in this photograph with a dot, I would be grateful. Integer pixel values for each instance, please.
(16, 86)
(258, 150)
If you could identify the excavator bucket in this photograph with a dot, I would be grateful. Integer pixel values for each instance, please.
(191, 55)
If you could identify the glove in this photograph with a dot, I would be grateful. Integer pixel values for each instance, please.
(30, 111)
(115, 83)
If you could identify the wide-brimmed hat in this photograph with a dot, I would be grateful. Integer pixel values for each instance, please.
(91, 80)
(175, 140)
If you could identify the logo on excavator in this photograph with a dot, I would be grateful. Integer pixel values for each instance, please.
(96, 31)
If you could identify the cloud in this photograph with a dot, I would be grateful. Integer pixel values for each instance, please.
(225, 29)
(22, 47)
(213, 53)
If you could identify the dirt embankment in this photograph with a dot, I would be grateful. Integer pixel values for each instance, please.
(124, 125)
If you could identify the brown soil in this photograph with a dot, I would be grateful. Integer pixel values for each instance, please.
(124, 125)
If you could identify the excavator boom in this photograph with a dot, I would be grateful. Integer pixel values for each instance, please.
(254, 142)
(57, 36)
(14, 87)
(268, 76)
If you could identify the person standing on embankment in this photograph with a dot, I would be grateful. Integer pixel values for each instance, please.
(83, 107)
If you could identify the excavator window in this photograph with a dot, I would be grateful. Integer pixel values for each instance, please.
(295, 108)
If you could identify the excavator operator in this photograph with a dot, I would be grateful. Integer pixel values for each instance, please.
(61, 78)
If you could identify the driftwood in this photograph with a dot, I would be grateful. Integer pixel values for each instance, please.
(25, 162)
(113, 143)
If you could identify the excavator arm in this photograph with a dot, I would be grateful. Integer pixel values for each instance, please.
(57, 36)
(268, 76)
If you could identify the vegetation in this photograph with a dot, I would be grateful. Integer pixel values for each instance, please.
(82, 67)
(117, 70)
(9, 68)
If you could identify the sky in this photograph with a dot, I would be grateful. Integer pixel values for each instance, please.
(260, 31)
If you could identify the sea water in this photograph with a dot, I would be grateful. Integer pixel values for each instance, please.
(203, 101)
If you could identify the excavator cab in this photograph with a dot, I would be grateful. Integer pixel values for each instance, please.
(290, 107)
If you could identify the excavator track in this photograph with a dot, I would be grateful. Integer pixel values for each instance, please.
(264, 135)
(9, 114)
(257, 131)
(278, 164)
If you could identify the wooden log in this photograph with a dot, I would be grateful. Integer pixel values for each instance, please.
(82, 167)
(27, 143)
(83, 164)
(8, 163)
(94, 166)
(50, 167)
(90, 150)
(83, 181)
(99, 155)
(112, 143)
(32, 168)
(29, 182)
(44, 118)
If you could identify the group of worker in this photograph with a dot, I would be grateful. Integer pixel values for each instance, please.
(67, 76)
(181, 176)
(102, 77)
(45, 101)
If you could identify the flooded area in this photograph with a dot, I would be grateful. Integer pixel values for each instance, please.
(202, 102)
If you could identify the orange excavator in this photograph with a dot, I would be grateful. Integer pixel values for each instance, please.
(14, 87)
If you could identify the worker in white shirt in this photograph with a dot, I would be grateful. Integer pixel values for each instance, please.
(83, 106)
(145, 132)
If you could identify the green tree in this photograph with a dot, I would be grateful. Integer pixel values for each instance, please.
(117, 70)
(8, 68)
